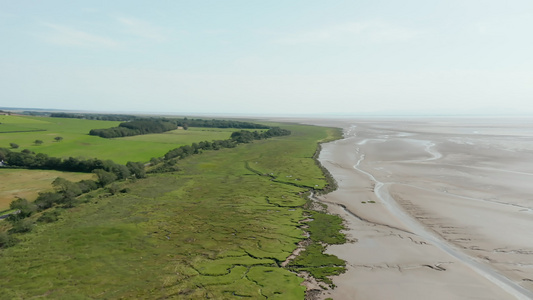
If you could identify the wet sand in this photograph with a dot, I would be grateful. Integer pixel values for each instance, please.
(434, 208)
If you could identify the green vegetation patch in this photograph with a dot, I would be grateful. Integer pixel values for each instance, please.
(299, 168)
(14, 128)
(277, 283)
(222, 266)
(326, 228)
(323, 229)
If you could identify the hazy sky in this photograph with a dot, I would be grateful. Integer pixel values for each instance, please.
(268, 57)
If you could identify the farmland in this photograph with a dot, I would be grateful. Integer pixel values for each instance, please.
(76, 142)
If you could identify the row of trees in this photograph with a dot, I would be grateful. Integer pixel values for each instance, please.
(237, 137)
(184, 122)
(245, 136)
(66, 191)
(30, 160)
(103, 117)
(218, 124)
(136, 127)
(195, 148)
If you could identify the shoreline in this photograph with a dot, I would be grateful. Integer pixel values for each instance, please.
(387, 258)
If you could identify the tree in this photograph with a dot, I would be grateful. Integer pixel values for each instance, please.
(242, 136)
(48, 199)
(13, 145)
(4, 152)
(49, 217)
(21, 226)
(113, 188)
(104, 177)
(6, 240)
(87, 185)
(24, 208)
(120, 171)
(58, 138)
(136, 169)
(38, 142)
(68, 188)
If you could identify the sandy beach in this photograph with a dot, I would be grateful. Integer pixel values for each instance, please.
(434, 208)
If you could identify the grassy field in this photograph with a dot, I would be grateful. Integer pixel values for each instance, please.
(217, 228)
(10, 124)
(18, 183)
(77, 142)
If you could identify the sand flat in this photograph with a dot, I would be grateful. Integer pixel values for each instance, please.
(453, 211)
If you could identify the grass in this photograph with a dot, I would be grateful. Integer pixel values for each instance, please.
(323, 229)
(287, 168)
(217, 227)
(19, 183)
(78, 143)
(12, 124)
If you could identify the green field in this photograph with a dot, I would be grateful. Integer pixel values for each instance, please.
(78, 143)
(218, 227)
(12, 124)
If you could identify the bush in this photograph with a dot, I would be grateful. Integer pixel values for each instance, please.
(22, 226)
(104, 177)
(87, 185)
(113, 188)
(6, 240)
(47, 199)
(24, 208)
(49, 217)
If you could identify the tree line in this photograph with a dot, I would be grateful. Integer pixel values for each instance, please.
(30, 160)
(101, 117)
(184, 122)
(237, 137)
(137, 127)
(218, 123)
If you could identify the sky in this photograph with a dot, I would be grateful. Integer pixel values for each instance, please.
(269, 57)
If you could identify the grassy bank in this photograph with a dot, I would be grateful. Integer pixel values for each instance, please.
(217, 227)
